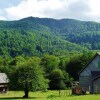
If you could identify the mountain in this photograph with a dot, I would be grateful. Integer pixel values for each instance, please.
(37, 36)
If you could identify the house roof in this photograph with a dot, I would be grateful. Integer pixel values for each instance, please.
(3, 78)
(95, 74)
(98, 53)
(96, 78)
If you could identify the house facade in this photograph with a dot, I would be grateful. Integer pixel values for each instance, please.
(3, 83)
(89, 77)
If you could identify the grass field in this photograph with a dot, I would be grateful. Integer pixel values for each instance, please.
(49, 95)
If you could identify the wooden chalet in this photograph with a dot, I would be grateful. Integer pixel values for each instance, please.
(89, 77)
(3, 83)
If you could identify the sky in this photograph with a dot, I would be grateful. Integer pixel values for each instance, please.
(86, 10)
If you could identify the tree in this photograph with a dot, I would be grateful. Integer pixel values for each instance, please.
(16, 61)
(31, 76)
(57, 80)
(50, 62)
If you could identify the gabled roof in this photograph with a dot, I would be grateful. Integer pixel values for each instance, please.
(98, 53)
(3, 78)
(96, 78)
(95, 74)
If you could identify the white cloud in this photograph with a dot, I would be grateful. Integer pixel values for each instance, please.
(1, 11)
(2, 18)
(76, 9)
(36, 8)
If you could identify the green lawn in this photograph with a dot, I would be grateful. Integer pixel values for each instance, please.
(49, 95)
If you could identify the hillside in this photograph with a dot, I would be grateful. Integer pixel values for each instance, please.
(36, 36)
(79, 32)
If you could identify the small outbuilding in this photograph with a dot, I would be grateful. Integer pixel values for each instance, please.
(89, 77)
(3, 83)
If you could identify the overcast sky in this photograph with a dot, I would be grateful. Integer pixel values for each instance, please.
(88, 10)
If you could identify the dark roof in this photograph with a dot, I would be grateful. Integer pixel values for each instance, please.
(95, 74)
(3, 78)
(96, 78)
(98, 53)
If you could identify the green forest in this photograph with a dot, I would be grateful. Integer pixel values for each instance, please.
(46, 72)
(44, 53)
(37, 36)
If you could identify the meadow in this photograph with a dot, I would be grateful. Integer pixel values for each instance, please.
(49, 95)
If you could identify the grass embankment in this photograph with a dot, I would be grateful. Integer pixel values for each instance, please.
(50, 95)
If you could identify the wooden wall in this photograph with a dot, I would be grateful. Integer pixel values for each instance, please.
(96, 86)
(85, 82)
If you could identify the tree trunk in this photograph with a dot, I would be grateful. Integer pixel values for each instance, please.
(26, 90)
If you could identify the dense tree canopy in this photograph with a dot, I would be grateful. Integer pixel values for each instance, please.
(57, 80)
(37, 36)
(48, 68)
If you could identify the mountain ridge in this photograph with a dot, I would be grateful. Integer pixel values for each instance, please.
(36, 36)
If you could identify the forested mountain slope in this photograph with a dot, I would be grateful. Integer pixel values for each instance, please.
(80, 32)
(36, 36)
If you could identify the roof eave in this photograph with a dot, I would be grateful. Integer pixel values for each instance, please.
(89, 62)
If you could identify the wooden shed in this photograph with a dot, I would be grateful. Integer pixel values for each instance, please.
(89, 77)
(96, 84)
(3, 83)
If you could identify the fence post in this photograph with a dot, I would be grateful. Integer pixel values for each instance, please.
(96, 89)
(89, 89)
(69, 91)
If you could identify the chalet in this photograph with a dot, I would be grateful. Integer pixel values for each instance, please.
(89, 77)
(3, 83)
